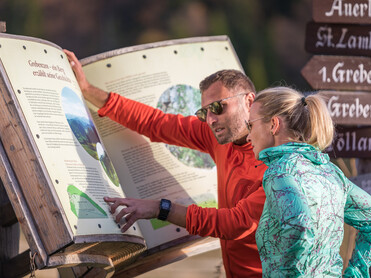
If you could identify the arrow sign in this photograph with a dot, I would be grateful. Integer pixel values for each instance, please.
(338, 39)
(338, 73)
(342, 11)
(349, 108)
(363, 181)
(351, 142)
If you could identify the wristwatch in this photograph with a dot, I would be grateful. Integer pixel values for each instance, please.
(165, 206)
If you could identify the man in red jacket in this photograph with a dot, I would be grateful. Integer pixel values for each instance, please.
(220, 130)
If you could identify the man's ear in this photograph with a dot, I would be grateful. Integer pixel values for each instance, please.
(275, 125)
(249, 99)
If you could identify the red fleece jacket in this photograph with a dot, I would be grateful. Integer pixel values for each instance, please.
(240, 194)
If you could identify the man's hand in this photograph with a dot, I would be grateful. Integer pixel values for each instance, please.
(77, 69)
(133, 210)
(93, 94)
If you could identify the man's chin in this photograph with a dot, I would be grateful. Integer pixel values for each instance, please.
(223, 140)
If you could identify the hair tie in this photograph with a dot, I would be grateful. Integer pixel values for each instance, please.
(303, 101)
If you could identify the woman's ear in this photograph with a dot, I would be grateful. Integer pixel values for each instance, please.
(275, 125)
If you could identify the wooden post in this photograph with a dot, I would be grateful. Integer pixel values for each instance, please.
(2, 27)
(9, 227)
(9, 231)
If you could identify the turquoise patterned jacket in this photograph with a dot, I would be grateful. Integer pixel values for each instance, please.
(302, 225)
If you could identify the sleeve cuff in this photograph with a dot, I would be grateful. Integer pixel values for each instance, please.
(103, 110)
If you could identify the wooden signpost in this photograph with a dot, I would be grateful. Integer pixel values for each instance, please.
(351, 142)
(338, 39)
(346, 74)
(338, 72)
(349, 108)
(2, 27)
(342, 11)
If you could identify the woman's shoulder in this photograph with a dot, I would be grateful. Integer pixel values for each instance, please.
(288, 163)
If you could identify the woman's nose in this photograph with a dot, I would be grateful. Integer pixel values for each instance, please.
(248, 140)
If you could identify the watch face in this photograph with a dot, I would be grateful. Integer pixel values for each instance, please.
(165, 204)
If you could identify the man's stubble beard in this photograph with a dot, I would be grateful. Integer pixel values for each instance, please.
(236, 133)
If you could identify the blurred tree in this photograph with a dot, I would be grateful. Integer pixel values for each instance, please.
(268, 36)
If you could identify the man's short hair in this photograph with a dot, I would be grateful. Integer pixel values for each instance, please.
(231, 79)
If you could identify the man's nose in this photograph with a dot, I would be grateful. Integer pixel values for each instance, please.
(211, 118)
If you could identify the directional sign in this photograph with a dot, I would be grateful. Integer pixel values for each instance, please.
(342, 11)
(349, 108)
(338, 73)
(363, 181)
(351, 142)
(338, 39)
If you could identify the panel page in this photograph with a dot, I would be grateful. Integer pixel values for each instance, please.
(61, 126)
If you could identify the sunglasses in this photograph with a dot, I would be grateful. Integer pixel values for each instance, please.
(215, 107)
(249, 123)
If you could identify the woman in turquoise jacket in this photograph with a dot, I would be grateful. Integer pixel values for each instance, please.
(308, 197)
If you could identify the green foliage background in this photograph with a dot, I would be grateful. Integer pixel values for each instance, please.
(268, 36)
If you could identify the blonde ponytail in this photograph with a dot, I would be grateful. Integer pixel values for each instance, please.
(322, 126)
